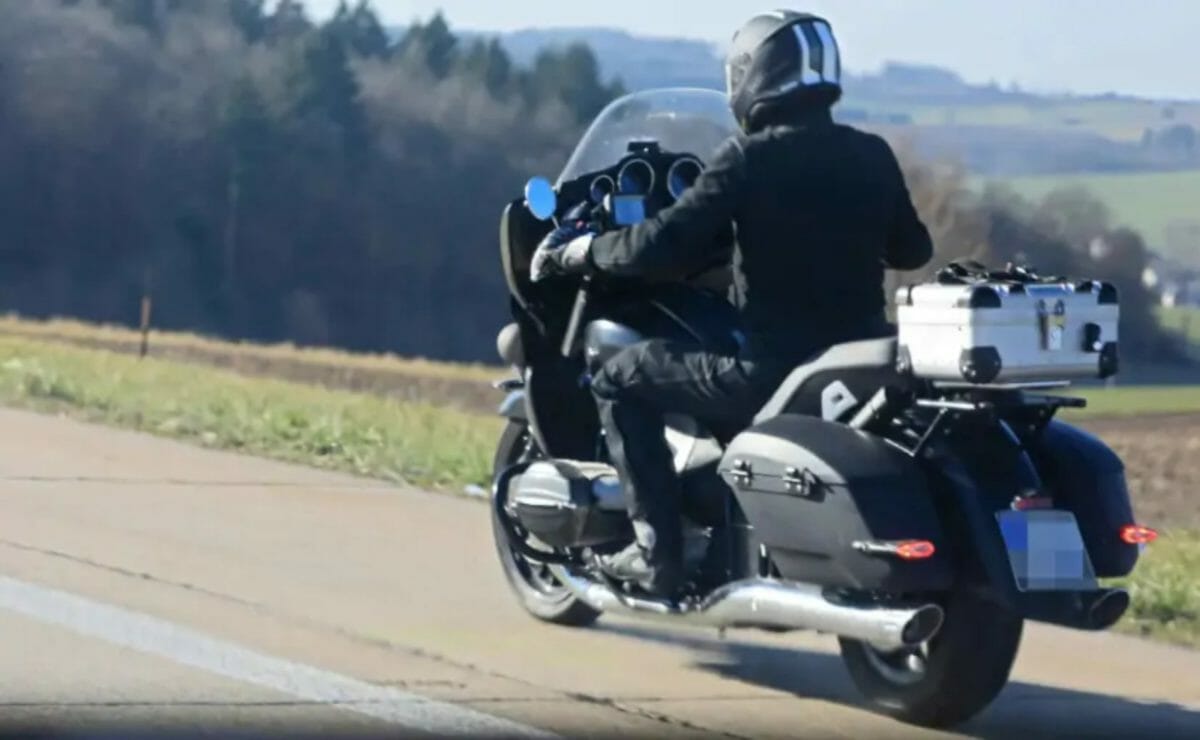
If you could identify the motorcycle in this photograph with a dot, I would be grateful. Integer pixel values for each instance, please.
(920, 522)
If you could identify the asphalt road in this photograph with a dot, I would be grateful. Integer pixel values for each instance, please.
(147, 585)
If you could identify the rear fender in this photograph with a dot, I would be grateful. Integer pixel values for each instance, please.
(968, 508)
(1085, 477)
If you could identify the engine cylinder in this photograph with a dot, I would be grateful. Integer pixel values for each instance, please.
(566, 503)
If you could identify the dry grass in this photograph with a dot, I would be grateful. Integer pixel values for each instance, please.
(466, 387)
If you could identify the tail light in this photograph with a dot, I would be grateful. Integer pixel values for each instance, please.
(1032, 503)
(1136, 534)
(915, 550)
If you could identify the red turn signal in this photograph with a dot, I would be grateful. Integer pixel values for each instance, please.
(1032, 503)
(915, 549)
(1136, 534)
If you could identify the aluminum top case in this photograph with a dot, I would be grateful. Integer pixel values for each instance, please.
(979, 327)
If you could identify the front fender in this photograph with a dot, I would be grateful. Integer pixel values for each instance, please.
(513, 407)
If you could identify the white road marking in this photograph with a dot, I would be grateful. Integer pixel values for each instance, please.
(188, 647)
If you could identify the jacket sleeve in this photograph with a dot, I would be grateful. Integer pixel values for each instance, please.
(909, 246)
(689, 235)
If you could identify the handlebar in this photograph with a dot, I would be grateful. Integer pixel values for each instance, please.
(577, 314)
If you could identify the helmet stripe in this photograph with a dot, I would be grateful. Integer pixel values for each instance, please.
(808, 75)
(832, 63)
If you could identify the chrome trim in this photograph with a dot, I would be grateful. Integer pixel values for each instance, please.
(508, 385)
(612, 188)
(671, 176)
(773, 604)
(632, 163)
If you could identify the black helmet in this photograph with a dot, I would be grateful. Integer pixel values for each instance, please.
(782, 57)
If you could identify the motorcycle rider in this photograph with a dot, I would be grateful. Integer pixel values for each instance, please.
(819, 210)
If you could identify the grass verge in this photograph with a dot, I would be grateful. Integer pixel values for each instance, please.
(394, 440)
(1166, 591)
(384, 438)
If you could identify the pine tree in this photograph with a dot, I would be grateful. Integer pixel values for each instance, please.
(250, 17)
(360, 30)
(572, 76)
(322, 86)
(488, 63)
(432, 45)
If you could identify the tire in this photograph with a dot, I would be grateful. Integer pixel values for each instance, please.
(536, 589)
(965, 666)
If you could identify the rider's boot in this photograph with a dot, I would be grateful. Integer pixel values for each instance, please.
(653, 562)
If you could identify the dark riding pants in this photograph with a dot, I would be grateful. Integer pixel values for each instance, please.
(635, 390)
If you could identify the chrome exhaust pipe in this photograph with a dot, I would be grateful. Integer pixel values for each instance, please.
(772, 604)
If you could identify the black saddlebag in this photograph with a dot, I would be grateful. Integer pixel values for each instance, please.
(831, 504)
(570, 504)
(1085, 477)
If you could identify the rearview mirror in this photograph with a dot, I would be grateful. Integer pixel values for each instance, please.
(540, 198)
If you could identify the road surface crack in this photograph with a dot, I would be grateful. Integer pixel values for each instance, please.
(621, 706)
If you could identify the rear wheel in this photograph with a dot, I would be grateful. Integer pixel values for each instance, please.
(536, 588)
(949, 679)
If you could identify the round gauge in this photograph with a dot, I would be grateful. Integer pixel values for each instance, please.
(682, 175)
(636, 178)
(602, 187)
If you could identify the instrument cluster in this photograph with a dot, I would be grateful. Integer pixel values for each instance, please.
(661, 178)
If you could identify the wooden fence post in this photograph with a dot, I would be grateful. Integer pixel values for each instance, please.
(147, 306)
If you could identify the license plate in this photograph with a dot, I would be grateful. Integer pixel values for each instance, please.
(1046, 551)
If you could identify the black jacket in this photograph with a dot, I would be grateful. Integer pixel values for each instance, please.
(819, 211)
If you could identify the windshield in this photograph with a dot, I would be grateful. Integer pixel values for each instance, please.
(683, 121)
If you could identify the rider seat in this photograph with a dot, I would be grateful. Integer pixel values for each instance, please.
(837, 382)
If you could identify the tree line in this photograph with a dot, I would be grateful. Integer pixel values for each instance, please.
(269, 177)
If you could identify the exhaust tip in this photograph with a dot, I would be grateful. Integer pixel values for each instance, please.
(1108, 609)
(923, 625)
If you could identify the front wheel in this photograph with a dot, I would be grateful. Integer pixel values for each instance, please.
(536, 588)
(949, 679)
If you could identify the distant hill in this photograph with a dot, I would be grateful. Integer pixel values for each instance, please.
(640, 62)
(993, 130)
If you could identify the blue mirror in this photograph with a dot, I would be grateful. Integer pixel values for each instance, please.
(540, 198)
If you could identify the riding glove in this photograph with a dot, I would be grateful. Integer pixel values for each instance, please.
(563, 252)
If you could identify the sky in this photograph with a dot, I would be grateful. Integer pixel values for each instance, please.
(1146, 48)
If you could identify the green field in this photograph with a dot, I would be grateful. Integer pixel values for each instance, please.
(1121, 120)
(1185, 320)
(1146, 201)
(1138, 401)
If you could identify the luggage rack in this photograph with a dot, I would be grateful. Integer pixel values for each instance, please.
(1038, 385)
(1027, 406)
